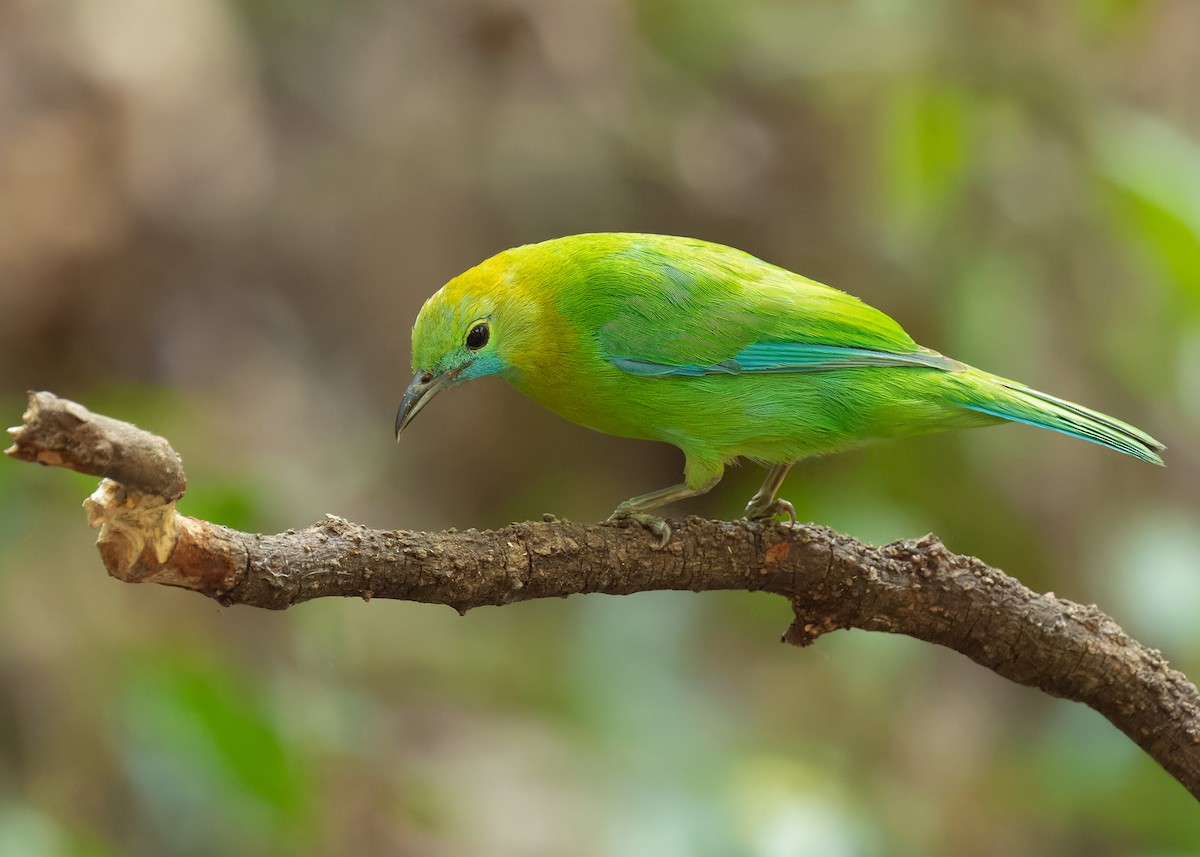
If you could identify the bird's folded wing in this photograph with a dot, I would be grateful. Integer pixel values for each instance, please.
(703, 309)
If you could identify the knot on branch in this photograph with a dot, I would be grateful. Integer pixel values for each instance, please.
(809, 625)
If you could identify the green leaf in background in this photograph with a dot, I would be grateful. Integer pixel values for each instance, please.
(200, 739)
(1152, 172)
(923, 148)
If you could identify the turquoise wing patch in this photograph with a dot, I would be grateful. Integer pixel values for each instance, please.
(789, 357)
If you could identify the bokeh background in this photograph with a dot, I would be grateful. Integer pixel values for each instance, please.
(218, 218)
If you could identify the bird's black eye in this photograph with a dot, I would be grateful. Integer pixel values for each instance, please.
(478, 337)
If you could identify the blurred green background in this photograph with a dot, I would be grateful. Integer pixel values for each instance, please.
(218, 218)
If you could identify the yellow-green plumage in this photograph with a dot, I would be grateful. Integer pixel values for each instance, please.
(714, 351)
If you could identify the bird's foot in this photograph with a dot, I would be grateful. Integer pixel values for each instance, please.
(653, 523)
(758, 511)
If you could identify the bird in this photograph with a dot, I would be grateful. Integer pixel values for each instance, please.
(715, 351)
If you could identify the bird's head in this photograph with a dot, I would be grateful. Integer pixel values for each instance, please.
(472, 327)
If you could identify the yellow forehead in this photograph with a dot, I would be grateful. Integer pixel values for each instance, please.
(474, 295)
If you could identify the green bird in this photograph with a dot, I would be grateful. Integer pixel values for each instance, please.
(715, 351)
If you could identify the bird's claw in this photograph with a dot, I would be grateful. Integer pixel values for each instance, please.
(653, 523)
(771, 510)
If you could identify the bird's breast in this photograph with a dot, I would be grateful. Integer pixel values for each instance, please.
(595, 395)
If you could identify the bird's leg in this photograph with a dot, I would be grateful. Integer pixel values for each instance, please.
(636, 508)
(763, 506)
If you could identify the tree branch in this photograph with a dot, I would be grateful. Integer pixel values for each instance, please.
(917, 588)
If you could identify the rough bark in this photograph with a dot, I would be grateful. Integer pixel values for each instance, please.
(832, 581)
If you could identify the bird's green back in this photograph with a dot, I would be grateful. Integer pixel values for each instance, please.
(680, 301)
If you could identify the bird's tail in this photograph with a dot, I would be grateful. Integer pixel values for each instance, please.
(998, 397)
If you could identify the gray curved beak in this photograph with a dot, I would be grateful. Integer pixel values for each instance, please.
(424, 387)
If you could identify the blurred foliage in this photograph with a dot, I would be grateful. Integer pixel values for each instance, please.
(218, 218)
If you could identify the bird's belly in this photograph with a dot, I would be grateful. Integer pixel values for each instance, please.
(770, 417)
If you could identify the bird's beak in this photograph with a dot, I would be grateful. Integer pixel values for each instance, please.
(424, 387)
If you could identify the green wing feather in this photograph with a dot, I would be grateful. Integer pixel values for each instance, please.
(660, 303)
